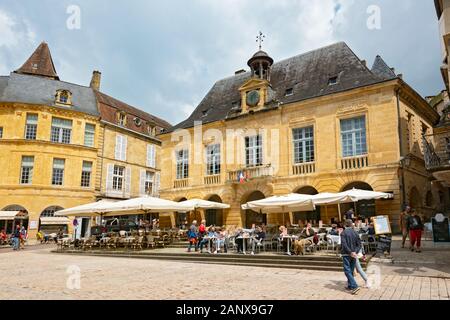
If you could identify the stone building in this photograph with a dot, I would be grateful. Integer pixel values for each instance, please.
(63, 145)
(322, 121)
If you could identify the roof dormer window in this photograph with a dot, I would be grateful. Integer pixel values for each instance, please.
(333, 80)
(63, 97)
(289, 92)
(121, 119)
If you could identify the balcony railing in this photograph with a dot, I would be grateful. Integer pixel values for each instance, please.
(303, 168)
(354, 163)
(181, 183)
(436, 159)
(211, 180)
(250, 173)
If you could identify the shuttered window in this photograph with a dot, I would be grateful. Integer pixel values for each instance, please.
(151, 156)
(121, 148)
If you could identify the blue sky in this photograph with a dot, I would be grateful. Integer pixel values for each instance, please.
(164, 56)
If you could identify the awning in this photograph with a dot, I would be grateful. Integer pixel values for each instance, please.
(282, 204)
(54, 221)
(11, 215)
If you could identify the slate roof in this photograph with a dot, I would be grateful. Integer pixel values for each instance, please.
(40, 63)
(307, 74)
(22, 88)
(382, 70)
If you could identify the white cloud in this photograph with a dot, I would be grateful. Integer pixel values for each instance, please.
(15, 36)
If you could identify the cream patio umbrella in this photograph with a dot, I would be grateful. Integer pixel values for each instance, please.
(194, 204)
(86, 210)
(282, 204)
(143, 205)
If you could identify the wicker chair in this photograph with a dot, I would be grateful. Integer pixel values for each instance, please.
(138, 243)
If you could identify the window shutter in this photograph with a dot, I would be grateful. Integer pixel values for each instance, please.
(109, 178)
(153, 157)
(124, 148)
(157, 184)
(142, 183)
(118, 149)
(128, 182)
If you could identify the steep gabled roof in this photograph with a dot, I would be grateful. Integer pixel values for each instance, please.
(308, 75)
(40, 63)
(122, 106)
(382, 70)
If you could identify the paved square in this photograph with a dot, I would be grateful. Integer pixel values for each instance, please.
(36, 273)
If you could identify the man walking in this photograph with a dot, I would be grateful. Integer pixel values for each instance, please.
(16, 238)
(350, 246)
(404, 218)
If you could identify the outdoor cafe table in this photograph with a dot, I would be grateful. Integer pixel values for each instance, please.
(289, 239)
(210, 239)
(244, 240)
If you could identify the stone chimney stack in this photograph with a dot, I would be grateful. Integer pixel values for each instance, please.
(96, 79)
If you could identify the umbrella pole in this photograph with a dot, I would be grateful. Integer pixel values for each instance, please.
(339, 210)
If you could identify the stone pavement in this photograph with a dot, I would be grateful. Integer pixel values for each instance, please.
(39, 274)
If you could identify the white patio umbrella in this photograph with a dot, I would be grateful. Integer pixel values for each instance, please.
(143, 205)
(282, 204)
(359, 195)
(194, 204)
(86, 210)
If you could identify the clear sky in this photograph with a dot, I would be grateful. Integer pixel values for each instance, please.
(164, 56)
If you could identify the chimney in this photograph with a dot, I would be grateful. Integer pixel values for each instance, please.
(364, 62)
(96, 79)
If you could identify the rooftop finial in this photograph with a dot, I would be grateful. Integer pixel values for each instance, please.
(260, 38)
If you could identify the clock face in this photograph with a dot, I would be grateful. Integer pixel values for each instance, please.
(253, 98)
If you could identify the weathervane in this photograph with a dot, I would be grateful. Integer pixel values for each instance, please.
(260, 38)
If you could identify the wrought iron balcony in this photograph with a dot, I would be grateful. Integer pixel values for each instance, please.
(249, 173)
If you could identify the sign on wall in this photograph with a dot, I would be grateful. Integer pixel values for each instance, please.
(33, 225)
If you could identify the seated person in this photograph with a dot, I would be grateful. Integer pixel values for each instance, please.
(3, 237)
(334, 230)
(371, 230)
(308, 232)
(205, 241)
(283, 239)
(221, 237)
(258, 238)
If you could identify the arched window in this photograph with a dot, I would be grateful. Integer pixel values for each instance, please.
(50, 211)
(429, 199)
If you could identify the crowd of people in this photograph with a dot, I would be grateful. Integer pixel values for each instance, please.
(17, 239)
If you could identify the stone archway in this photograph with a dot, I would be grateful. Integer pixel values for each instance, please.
(182, 217)
(364, 209)
(302, 218)
(214, 217)
(415, 199)
(22, 218)
(251, 217)
(49, 212)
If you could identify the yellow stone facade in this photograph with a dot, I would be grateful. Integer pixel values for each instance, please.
(390, 109)
(40, 193)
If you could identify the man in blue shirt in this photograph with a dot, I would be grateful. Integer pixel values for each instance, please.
(350, 246)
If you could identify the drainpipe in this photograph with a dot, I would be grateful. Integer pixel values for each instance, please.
(399, 127)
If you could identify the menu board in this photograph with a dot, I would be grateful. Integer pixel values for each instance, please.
(382, 225)
(441, 231)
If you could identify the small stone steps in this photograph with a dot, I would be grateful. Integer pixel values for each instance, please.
(309, 262)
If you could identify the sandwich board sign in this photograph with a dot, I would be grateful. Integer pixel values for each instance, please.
(440, 226)
(382, 225)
